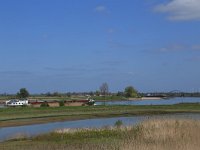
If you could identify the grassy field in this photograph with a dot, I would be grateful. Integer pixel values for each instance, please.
(28, 115)
(110, 98)
(60, 98)
(150, 135)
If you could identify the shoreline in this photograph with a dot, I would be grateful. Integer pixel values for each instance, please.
(38, 121)
(134, 99)
(147, 98)
(97, 112)
(63, 118)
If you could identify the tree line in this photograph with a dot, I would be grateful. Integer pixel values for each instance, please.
(129, 91)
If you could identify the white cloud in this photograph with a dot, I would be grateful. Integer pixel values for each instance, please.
(179, 48)
(173, 48)
(182, 10)
(101, 9)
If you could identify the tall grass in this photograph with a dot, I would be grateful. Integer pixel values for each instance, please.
(166, 135)
(158, 134)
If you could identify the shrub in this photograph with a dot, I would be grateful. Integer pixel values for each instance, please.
(45, 104)
(118, 123)
(61, 103)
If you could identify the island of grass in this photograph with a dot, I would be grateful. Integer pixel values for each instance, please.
(28, 115)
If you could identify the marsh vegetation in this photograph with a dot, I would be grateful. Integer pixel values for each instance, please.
(156, 134)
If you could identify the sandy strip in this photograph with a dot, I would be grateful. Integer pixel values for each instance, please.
(146, 98)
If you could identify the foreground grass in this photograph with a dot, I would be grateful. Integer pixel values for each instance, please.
(149, 135)
(29, 115)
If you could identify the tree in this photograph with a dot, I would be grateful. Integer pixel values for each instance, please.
(120, 93)
(97, 93)
(68, 94)
(91, 93)
(23, 93)
(104, 89)
(48, 94)
(56, 94)
(130, 92)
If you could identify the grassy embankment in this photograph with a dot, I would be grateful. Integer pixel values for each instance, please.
(153, 134)
(3, 98)
(28, 115)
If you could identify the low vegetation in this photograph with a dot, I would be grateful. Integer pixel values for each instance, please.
(150, 135)
(61, 103)
(118, 123)
(44, 105)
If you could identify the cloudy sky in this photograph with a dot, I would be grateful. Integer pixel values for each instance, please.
(76, 45)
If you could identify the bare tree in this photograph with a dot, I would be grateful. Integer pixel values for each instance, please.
(104, 89)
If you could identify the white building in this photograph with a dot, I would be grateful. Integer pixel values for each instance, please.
(15, 102)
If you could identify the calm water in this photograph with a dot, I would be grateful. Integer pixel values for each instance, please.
(2, 106)
(32, 130)
(153, 102)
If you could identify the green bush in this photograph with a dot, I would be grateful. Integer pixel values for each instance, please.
(118, 123)
(61, 103)
(130, 91)
(44, 104)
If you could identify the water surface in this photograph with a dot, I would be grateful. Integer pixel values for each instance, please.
(171, 101)
(2, 106)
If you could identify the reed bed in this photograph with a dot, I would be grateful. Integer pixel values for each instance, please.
(167, 134)
(158, 134)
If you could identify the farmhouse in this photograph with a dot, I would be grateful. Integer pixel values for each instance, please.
(15, 102)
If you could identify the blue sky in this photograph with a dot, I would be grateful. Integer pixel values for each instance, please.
(76, 45)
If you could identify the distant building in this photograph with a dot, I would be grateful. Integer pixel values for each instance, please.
(16, 102)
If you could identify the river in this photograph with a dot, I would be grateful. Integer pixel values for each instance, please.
(7, 133)
(171, 101)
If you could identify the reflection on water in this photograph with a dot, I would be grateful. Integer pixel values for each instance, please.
(2, 106)
(153, 102)
(31, 130)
